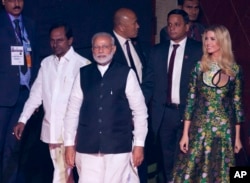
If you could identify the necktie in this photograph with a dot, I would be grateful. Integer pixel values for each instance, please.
(132, 64)
(170, 73)
(18, 30)
(19, 38)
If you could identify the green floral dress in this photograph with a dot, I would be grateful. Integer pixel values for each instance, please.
(213, 112)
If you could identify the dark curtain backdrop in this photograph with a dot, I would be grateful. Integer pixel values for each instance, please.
(90, 16)
(235, 15)
(86, 18)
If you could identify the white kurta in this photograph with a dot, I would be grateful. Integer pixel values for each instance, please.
(136, 103)
(107, 168)
(52, 88)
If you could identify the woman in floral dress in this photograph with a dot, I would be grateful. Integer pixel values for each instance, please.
(211, 133)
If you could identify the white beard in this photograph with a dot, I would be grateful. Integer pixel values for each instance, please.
(103, 60)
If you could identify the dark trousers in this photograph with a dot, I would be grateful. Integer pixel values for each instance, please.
(169, 135)
(9, 145)
(142, 171)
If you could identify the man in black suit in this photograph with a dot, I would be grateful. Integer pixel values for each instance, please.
(16, 72)
(125, 31)
(196, 29)
(168, 101)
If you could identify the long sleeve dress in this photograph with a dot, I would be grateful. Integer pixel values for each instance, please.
(213, 112)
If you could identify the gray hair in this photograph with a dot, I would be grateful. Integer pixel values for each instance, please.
(103, 34)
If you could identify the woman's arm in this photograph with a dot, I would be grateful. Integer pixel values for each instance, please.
(237, 145)
(185, 140)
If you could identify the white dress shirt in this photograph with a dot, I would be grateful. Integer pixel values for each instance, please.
(137, 62)
(176, 77)
(52, 88)
(136, 103)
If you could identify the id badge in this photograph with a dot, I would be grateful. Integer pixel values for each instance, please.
(17, 55)
(27, 47)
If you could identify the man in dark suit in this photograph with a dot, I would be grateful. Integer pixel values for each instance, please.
(125, 31)
(196, 29)
(168, 100)
(16, 72)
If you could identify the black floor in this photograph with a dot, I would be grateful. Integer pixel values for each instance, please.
(36, 165)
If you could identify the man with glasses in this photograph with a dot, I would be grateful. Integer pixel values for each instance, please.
(17, 68)
(108, 111)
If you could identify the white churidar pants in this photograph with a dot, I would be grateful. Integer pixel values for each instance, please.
(106, 168)
(61, 171)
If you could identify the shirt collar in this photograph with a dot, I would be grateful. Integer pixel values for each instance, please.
(68, 55)
(121, 39)
(182, 43)
(12, 18)
(103, 68)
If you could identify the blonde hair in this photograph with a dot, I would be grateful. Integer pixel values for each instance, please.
(226, 61)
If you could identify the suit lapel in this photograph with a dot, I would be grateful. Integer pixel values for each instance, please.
(187, 66)
(185, 63)
(27, 26)
(119, 55)
(9, 28)
(165, 56)
(139, 51)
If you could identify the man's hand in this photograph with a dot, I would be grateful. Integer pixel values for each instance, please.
(70, 154)
(137, 155)
(18, 130)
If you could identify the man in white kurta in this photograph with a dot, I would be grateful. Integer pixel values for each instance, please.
(105, 150)
(52, 88)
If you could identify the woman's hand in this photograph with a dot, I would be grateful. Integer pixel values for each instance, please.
(184, 143)
(237, 145)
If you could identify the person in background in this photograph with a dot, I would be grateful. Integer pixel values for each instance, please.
(166, 84)
(106, 121)
(213, 115)
(17, 71)
(125, 32)
(52, 88)
(196, 29)
(130, 52)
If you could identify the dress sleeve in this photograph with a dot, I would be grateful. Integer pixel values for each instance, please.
(237, 96)
(192, 93)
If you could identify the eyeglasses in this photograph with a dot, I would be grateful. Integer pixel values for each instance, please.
(13, 1)
(103, 47)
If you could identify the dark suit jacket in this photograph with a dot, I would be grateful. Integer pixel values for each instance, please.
(155, 83)
(9, 75)
(120, 57)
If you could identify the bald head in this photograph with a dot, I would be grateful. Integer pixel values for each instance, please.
(122, 15)
(125, 23)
